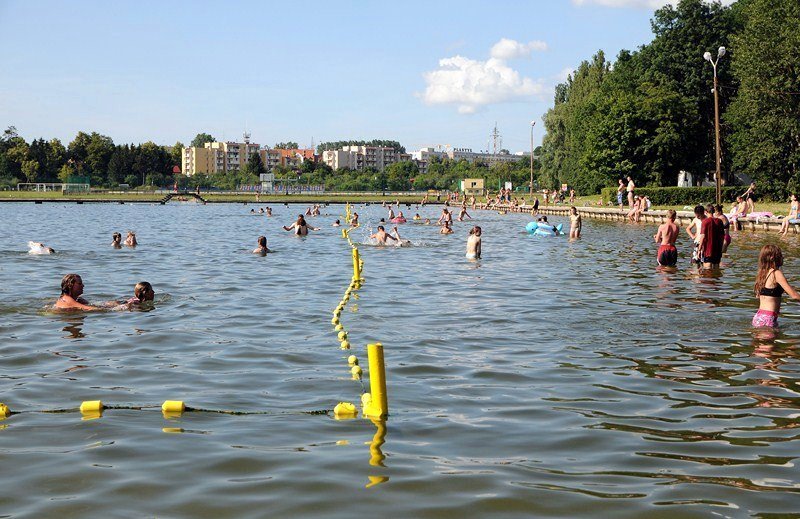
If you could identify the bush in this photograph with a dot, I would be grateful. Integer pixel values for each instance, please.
(677, 196)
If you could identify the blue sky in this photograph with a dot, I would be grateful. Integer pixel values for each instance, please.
(164, 71)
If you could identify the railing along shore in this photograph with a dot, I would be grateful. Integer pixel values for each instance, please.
(682, 218)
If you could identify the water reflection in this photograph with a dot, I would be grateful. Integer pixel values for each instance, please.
(74, 326)
(377, 456)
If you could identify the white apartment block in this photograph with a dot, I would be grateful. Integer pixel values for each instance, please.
(362, 157)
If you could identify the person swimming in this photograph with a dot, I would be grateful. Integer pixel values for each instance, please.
(474, 243)
(116, 240)
(142, 292)
(35, 247)
(381, 236)
(300, 227)
(400, 242)
(354, 220)
(446, 228)
(71, 291)
(336, 224)
(417, 217)
(262, 246)
(463, 214)
(130, 240)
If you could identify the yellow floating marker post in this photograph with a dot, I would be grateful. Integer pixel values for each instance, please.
(172, 408)
(379, 404)
(356, 270)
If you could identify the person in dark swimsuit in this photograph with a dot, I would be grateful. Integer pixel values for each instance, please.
(300, 227)
(726, 226)
(769, 287)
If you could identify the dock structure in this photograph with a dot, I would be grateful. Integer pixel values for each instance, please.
(612, 213)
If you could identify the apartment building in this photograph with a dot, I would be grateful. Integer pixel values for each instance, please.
(291, 158)
(217, 157)
(362, 157)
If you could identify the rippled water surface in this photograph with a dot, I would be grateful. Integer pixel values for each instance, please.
(548, 379)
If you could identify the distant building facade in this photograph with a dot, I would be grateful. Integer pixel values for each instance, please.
(217, 157)
(291, 158)
(363, 157)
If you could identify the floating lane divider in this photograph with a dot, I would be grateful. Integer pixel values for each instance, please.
(374, 404)
(90, 409)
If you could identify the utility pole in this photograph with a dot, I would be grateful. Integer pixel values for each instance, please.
(533, 123)
(707, 57)
(497, 142)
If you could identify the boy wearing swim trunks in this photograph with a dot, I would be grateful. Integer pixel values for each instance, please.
(667, 234)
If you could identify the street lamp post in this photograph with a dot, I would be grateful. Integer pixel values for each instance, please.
(707, 56)
(533, 123)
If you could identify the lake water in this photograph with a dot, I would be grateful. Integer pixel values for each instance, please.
(548, 379)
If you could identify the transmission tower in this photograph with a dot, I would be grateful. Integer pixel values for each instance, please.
(497, 142)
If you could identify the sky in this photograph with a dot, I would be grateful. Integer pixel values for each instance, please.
(431, 73)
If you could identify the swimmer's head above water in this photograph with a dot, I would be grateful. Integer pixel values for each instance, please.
(143, 291)
(72, 285)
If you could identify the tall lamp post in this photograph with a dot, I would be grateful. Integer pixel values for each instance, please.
(533, 123)
(707, 56)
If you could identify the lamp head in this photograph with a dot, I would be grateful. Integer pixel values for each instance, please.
(707, 56)
(533, 123)
(721, 52)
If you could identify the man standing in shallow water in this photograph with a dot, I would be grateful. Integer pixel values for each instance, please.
(667, 234)
(711, 239)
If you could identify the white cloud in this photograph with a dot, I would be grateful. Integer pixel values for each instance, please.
(642, 4)
(510, 49)
(471, 84)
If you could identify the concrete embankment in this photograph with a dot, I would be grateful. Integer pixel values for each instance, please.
(683, 218)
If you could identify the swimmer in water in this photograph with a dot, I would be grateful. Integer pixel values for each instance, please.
(381, 236)
(400, 241)
(308, 212)
(143, 291)
(354, 220)
(35, 247)
(116, 240)
(130, 240)
(427, 221)
(666, 235)
(300, 227)
(262, 246)
(269, 211)
(417, 217)
(463, 214)
(446, 229)
(337, 224)
(770, 261)
(71, 291)
(474, 243)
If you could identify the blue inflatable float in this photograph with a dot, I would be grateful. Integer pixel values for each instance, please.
(543, 229)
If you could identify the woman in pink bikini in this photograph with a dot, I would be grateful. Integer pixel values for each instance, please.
(770, 286)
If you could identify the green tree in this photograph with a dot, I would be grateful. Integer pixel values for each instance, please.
(765, 116)
(176, 153)
(286, 146)
(30, 168)
(202, 138)
(254, 165)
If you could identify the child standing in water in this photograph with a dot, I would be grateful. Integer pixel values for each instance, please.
(574, 223)
(770, 286)
(474, 243)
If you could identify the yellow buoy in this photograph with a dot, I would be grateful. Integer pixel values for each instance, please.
(345, 345)
(344, 410)
(173, 407)
(356, 372)
(335, 321)
(366, 400)
(5, 411)
(339, 328)
(91, 407)
(342, 335)
(352, 360)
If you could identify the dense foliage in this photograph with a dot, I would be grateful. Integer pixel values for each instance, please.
(676, 196)
(650, 114)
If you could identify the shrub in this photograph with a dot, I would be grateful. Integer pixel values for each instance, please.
(677, 196)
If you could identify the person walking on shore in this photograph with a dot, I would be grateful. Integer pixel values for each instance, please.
(620, 193)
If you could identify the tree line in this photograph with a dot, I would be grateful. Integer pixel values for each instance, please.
(650, 113)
